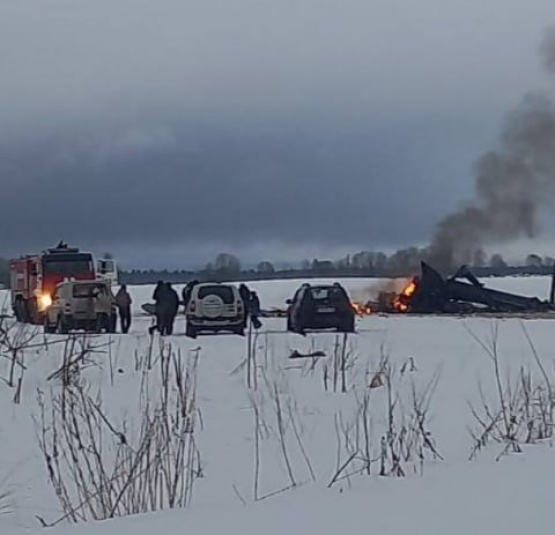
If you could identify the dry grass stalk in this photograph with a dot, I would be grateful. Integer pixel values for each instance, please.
(286, 431)
(336, 365)
(523, 409)
(16, 340)
(99, 469)
(404, 441)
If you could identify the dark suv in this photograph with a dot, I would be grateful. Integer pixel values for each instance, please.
(325, 306)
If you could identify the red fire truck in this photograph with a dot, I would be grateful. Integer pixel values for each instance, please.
(33, 279)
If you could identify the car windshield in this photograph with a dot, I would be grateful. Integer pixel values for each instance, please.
(327, 293)
(225, 293)
(87, 290)
(68, 264)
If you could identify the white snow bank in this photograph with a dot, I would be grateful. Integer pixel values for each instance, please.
(512, 497)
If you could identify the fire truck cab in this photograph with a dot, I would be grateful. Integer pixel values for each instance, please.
(35, 277)
(107, 269)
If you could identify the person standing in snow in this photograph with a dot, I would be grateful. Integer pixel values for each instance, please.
(157, 290)
(245, 294)
(186, 295)
(254, 310)
(123, 302)
(158, 298)
(187, 291)
(170, 309)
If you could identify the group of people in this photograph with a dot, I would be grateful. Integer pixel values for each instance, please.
(166, 301)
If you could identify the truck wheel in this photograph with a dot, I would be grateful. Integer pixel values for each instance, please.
(19, 310)
(33, 312)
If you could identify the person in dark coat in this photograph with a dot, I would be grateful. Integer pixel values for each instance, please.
(187, 291)
(123, 302)
(245, 294)
(157, 297)
(170, 306)
(186, 294)
(159, 288)
(254, 310)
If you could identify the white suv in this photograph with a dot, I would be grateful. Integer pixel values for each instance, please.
(215, 307)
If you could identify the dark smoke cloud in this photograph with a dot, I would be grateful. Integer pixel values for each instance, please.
(202, 191)
(513, 182)
(548, 50)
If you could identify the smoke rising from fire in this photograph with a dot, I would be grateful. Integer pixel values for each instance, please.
(513, 182)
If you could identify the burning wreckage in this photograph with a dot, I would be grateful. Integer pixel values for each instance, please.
(462, 293)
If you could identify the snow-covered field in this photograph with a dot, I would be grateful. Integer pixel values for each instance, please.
(321, 429)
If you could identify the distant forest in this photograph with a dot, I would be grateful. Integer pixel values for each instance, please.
(228, 267)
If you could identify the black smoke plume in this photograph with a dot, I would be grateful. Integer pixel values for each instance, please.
(514, 182)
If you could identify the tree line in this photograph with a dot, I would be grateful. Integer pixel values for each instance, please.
(403, 263)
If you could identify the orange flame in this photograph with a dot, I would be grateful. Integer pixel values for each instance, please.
(409, 290)
(361, 309)
(399, 303)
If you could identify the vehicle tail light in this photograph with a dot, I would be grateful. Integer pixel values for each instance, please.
(193, 306)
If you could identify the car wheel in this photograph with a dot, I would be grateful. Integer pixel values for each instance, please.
(348, 326)
(98, 325)
(105, 323)
(299, 326)
(112, 324)
(190, 331)
(48, 328)
(62, 326)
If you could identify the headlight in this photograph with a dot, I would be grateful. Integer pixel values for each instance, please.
(44, 301)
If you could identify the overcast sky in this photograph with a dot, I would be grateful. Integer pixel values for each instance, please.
(168, 131)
